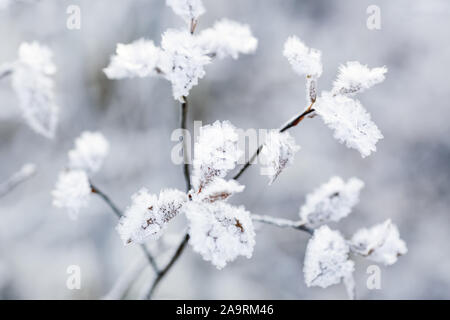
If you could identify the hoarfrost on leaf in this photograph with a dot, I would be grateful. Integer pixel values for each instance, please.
(220, 232)
(218, 190)
(189, 10)
(277, 154)
(228, 38)
(182, 61)
(380, 243)
(326, 259)
(148, 215)
(90, 150)
(350, 121)
(332, 201)
(354, 77)
(137, 59)
(72, 191)
(34, 87)
(215, 153)
(305, 61)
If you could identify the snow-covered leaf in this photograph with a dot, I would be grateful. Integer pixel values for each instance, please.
(137, 59)
(215, 153)
(332, 201)
(72, 191)
(354, 77)
(182, 61)
(228, 38)
(277, 154)
(326, 259)
(304, 60)
(148, 215)
(380, 243)
(90, 150)
(350, 121)
(218, 190)
(220, 232)
(34, 87)
(189, 10)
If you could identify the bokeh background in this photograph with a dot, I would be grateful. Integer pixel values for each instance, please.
(407, 179)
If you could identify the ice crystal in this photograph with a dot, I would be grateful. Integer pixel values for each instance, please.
(332, 201)
(277, 153)
(380, 243)
(90, 150)
(326, 259)
(220, 232)
(350, 121)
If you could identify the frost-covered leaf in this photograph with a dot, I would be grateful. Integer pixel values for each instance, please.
(182, 61)
(34, 88)
(137, 59)
(332, 201)
(218, 190)
(228, 38)
(90, 150)
(220, 232)
(350, 121)
(215, 153)
(354, 77)
(380, 243)
(189, 10)
(72, 191)
(304, 60)
(326, 259)
(148, 215)
(277, 154)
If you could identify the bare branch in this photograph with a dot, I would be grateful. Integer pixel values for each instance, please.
(125, 281)
(26, 172)
(291, 123)
(283, 223)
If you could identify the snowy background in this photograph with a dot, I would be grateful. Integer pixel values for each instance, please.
(407, 179)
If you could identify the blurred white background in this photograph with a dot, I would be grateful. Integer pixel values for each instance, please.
(407, 179)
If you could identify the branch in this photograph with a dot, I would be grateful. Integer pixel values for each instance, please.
(172, 261)
(186, 168)
(183, 243)
(26, 172)
(119, 214)
(283, 223)
(5, 70)
(187, 178)
(126, 279)
(291, 123)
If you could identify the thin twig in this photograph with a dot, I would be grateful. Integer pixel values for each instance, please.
(291, 123)
(5, 71)
(26, 172)
(125, 281)
(172, 261)
(119, 214)
(283, 223)
(186, 168)
(187, 178)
